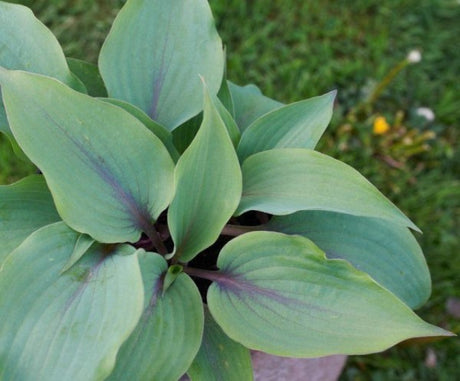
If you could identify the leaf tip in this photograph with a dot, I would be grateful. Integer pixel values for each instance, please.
(431, 332)
(442, 333)
(414, 227)
(333, 93)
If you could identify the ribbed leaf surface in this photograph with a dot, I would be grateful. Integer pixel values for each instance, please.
(279, 294)
(25, 206)
(65, 326)
(208, 187)
(169, 332)
(155, 53)
(287, 180)
(388, 253)
(110, 177)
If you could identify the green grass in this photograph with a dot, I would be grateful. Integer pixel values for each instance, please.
(295, 49)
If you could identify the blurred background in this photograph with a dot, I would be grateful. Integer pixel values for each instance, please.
(396, 66)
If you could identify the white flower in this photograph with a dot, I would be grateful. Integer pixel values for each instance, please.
(414, 56)
(426, 112)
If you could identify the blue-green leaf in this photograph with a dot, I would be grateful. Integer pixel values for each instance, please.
(169, 331)
(160, 132)
(250, 104)
(25, 206)
(110, 177)
(297, 125)
(89, 74)
(155, 53)
(66, 326)
(82, 245)
(220, 358)
(27, 44)
(185, 133)
(224, 94)
(208, 187)
(286, 180)
(229, 122)
(388, 253)
(279, 294)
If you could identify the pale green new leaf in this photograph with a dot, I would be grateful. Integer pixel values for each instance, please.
(169, 331)
(155, 53)
(249, 104)
(25, 206)
(279, 294)
(170, 276)
(69, 326)
(27, 44)
(297, 125)
(220, 358)
(388, 253)
(208, 187)
(286, 180)
(110, 177)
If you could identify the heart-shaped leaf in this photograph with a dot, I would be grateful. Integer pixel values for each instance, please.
(173, 42)
(69, 326)
(219, 357)
(279, 294)
(297, 125)
(286, 180)
(25, 206)
(111, 191)
(169, 331)
(249, 104)
(27, 44)
(388, 253)
(208, 187)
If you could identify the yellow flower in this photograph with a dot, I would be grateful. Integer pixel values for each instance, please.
(381, 126)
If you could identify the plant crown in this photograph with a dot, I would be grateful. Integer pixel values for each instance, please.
(179, 220)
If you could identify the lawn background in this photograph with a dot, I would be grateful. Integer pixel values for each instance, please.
(295, 49)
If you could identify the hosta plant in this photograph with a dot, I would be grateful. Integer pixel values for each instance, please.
(177, 220)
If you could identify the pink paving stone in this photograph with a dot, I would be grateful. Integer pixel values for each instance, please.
(273, 368)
